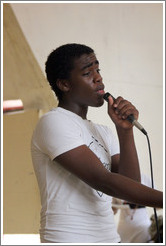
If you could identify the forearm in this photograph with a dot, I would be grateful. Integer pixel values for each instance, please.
(128, 164)
(131, 191)
(85, 165)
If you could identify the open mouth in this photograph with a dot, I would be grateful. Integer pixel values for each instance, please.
(101, 92)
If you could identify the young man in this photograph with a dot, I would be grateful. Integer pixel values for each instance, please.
(77, 162)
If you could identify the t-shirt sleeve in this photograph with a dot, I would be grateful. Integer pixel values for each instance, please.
(55, 135)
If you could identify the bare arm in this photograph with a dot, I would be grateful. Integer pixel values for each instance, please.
(127, 163)
(83, 163)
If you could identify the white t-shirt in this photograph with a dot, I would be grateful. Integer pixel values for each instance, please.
(72, 211)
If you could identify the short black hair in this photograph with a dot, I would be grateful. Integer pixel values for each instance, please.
(60, 63)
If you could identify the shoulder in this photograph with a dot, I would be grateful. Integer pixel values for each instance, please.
(55, 113)
(58, 117)
(57, 131)
(56, 124)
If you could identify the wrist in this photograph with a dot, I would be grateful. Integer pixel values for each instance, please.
(125, 132)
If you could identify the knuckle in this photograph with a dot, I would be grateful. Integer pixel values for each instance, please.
(120, 98)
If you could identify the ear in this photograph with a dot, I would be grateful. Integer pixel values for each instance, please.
(63, 85)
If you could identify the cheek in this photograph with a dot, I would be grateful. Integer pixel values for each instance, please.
(82, 95)
(83, 87)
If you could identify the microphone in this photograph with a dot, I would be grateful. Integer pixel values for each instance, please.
(130, 118)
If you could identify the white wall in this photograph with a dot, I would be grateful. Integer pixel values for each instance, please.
(127, 38)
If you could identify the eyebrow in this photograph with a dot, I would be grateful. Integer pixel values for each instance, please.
(90, 64)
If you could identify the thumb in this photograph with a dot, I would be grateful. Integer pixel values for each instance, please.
(111, 108)
(110, 101)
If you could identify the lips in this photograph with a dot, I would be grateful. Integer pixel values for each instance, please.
(100, 90)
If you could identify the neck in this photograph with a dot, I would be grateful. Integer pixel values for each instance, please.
(75, 108)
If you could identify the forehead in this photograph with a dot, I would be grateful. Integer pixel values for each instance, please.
(85, 61)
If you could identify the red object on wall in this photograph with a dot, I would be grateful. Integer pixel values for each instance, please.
(12, 105)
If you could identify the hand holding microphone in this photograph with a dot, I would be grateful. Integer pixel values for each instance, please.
(130, 117)
(121, 112)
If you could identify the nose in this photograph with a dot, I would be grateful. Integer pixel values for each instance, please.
(97, 77)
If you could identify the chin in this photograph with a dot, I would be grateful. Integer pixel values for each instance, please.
(99, 103)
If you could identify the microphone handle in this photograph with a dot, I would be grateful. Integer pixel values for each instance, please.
(130, 118)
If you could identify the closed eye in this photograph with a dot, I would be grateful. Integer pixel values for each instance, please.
(86, 74)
